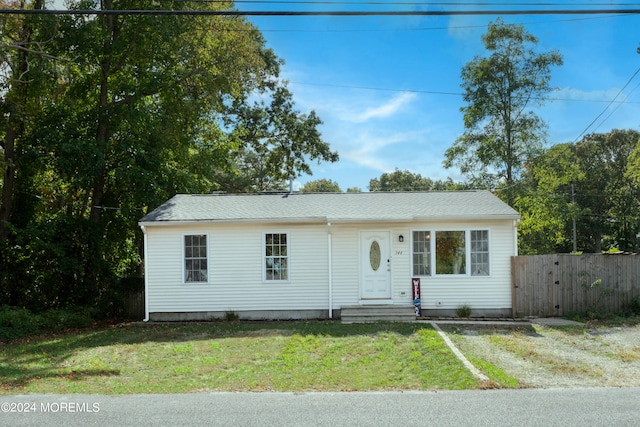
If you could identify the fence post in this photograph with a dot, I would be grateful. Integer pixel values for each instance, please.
(514, 288)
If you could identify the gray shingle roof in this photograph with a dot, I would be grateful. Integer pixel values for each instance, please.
(331, 207)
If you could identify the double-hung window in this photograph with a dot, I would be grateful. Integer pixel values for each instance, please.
(276, 257)
(422, 253)
(196, 264)
(450, 252)
(479, 253)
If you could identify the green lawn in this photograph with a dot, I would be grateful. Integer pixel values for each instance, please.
(236, 356)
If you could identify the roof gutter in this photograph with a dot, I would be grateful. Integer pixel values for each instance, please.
(173, 222)
(324, 220)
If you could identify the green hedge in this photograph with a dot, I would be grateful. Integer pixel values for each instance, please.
(16, 322)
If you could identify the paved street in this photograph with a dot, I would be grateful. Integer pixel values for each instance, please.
(530, 407)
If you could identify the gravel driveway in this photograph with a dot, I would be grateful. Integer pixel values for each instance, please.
(563, 356)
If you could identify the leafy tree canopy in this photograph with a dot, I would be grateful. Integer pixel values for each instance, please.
(502, 132)
(404, 180)
(587, 182)
(106, 117)
(321, 186)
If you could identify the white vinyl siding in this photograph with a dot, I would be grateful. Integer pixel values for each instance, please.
(236, 270)
(448, 292)
(236, 262)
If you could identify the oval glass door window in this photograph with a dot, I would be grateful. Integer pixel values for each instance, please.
(374, 256)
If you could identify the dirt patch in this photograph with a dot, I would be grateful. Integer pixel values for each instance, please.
(563, 356)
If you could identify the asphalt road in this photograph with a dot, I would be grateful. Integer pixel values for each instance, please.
(529, 407)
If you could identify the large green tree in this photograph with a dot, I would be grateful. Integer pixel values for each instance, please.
(612, 201)
(321, 186)
(404, 180)
(136, 109)
(25, 75)
(502, 132)
(544, 201)
(586, 182)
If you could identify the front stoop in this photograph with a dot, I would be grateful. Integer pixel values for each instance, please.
(377, 313)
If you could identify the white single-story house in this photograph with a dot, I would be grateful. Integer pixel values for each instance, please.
(307, 255)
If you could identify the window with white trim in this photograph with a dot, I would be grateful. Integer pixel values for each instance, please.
(450, 252)
(196, 264)
(479, 252)
(276, 257)
(421, 253)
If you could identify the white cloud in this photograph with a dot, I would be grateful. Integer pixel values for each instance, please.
(386, 110)
(370, 150)
(467, 28)
(569, 93)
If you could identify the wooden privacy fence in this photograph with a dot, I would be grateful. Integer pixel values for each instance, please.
(134, 305)
(561, 284)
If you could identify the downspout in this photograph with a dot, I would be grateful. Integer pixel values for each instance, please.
(329, 254)
(146, 275)
(514, 298)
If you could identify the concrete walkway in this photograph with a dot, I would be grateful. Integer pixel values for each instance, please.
(546, 321)
(554, 321)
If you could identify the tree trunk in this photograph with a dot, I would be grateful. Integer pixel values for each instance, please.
(14, 125)
(103, 131)
(597, 247)
(8, 183)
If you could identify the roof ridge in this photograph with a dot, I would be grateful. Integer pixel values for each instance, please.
(300, 193)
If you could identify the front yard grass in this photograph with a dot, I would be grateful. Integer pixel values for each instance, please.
(234, 356)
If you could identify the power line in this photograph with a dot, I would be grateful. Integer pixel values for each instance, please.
(609, 105)
(158, 12)
(615, 109)
(433, 92)
(445, 28)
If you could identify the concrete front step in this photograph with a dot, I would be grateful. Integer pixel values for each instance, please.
(377, 313)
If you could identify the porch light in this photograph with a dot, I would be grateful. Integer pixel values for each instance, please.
(401, 238)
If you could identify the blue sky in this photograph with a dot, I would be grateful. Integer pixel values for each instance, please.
(387, 88)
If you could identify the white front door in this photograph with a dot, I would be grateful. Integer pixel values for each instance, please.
(375, 264)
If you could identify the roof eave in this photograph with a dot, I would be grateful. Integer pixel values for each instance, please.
(322, 220)
(487, 217)
(168, 222)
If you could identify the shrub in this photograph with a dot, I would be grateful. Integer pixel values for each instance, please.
(634, 307)
(231, 316)
(17, 322)
(65, 319)
(463, 311)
